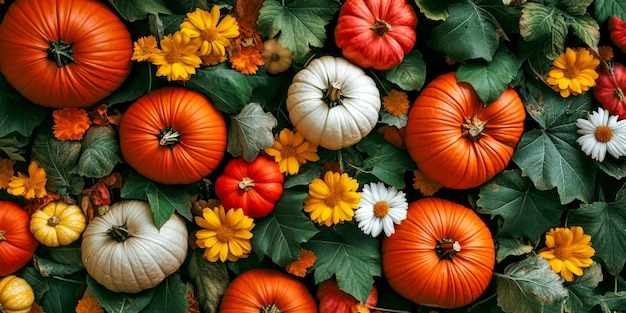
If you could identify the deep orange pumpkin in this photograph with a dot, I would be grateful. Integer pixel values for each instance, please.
(17, 244)
(376, 33)
(457, 140)
(266, 290)
(255, 187)
(442, 255)
(173, 135)
(64, 53)
(610, 89)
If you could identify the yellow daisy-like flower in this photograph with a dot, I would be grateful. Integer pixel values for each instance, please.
(573, 72)
(290, 150)
(226, 234)
(396, 103)
(214, 35)
(568, 250)
(332, 200)
(31, 186)
(300, 266)
(143, 48)
(89, 305)
(177, 58)
(6, 172)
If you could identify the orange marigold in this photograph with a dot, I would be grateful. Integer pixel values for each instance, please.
(6, 172)
(424, 184)
(301, 265)
(89, 305)
(605, 53)
(396, 103)
(70, 123)
(36, 308)
(246, 60)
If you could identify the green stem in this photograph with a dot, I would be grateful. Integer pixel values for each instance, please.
(477, 303)
(387, 310)
(378, 81)
(61, 53)
(73, 281)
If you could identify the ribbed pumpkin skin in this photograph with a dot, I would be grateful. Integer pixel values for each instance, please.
(256, 201)
(101, 46)
(202, 136)
(610, 90)
(71, 224)
(254, 289)
(413, 267)
(18, 246)
(16, 295)
(435, 139)
(617, 31)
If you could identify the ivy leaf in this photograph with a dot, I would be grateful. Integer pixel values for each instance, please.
(210, 280)
(602, 9)
(101, 153)
(48, 268)
(586, 28)
(508, 246)
(58, 158)
(132, 10)
(529, 285)
(250, 132)
(16, 113)
(550, 156)
(525, 211)
(492, 78)
(163, 199)
(474, 32)
(433, 9)
(349, 255)
(229, 89)
(544, 25)
(280, 234)
(410, 74)
(119, 301)
(169, 296)
(385, 161)
(299, 24)
(581, 290)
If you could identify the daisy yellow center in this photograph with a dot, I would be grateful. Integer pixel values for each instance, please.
(603, 134)
(210, 34)
(381, 209)
(224, 234)
(288, 151)
(173, 56)
(332, 199)
(571, 72)
(562, 252)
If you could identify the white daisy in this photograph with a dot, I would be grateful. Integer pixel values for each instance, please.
(380, 208)
(602, 133)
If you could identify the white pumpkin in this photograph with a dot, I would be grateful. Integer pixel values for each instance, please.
(125, 252)
(333, 103)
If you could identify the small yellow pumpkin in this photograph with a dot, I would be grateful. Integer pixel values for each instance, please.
(16, 295)
(57, 223)
(276, 58)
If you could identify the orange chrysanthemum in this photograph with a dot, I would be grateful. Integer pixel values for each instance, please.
(247, 60)
(300, 266)
(6, 172)
(89, 305)
(212, 59)
(605, 53)
(424, 184)
(36, 308)
(70, 123)
(396, 103)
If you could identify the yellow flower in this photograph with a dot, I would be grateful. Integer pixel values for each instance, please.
(89, 305)
(332, 200)
(226, 234)
(143, 48)
(214, 35)
(396, 103)
(6, 172)
(573, 72)
(300, 266)
(568, 250)
(290, 150)
(177, 58)
(31, 186)
(70, 123)
(212, 59)
(247, 60)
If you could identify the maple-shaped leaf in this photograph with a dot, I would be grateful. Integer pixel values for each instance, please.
(544, 25)
(299, 24)
(250, 132)
(280, 234)
(349, 255)
(385, 161)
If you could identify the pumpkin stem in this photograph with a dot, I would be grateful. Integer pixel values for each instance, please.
(2, 238)
(53, 221)
(246, 183)
(332, 95)
(168, 137)
(447, 248)
(473, 128)
(61, 53)
(119, 233)
(380, 27)
(270, 308)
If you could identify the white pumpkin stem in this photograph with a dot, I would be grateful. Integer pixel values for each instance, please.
(332, 95)
(447, 248)
(168, 137)
(246, 184)
(53, 221)
(2, 238)
(272, 308)
(381, 27)
(473, 128)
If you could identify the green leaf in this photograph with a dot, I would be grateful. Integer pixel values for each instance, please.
(68, 255)
(163, 199)
(433, 9)
(132, 10)
(140, 81)
(210, 280)
(299, 24)
(611, 302)
(574, 7)
(410, 74)
(602, 9)
(385, 161)
(250, 132)
(280, 234)
(12, 153)
(525, 211)
(48, 268)
(16, 113)
(229, 89)
(581, 290)
(119, 301)
(101, 152)
(397, 121)
(529, 285)
(550, 156)
(613, 168)
(305, 176)
(508, 246)
(492, 78)
(58, 158)
(169, 296)
(586, 28)
(61, 296)
(544, 25)
(349, 255)
(474, 32)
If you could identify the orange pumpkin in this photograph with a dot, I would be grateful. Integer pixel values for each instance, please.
(17, 244)
(456, 139)
(442, 255)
